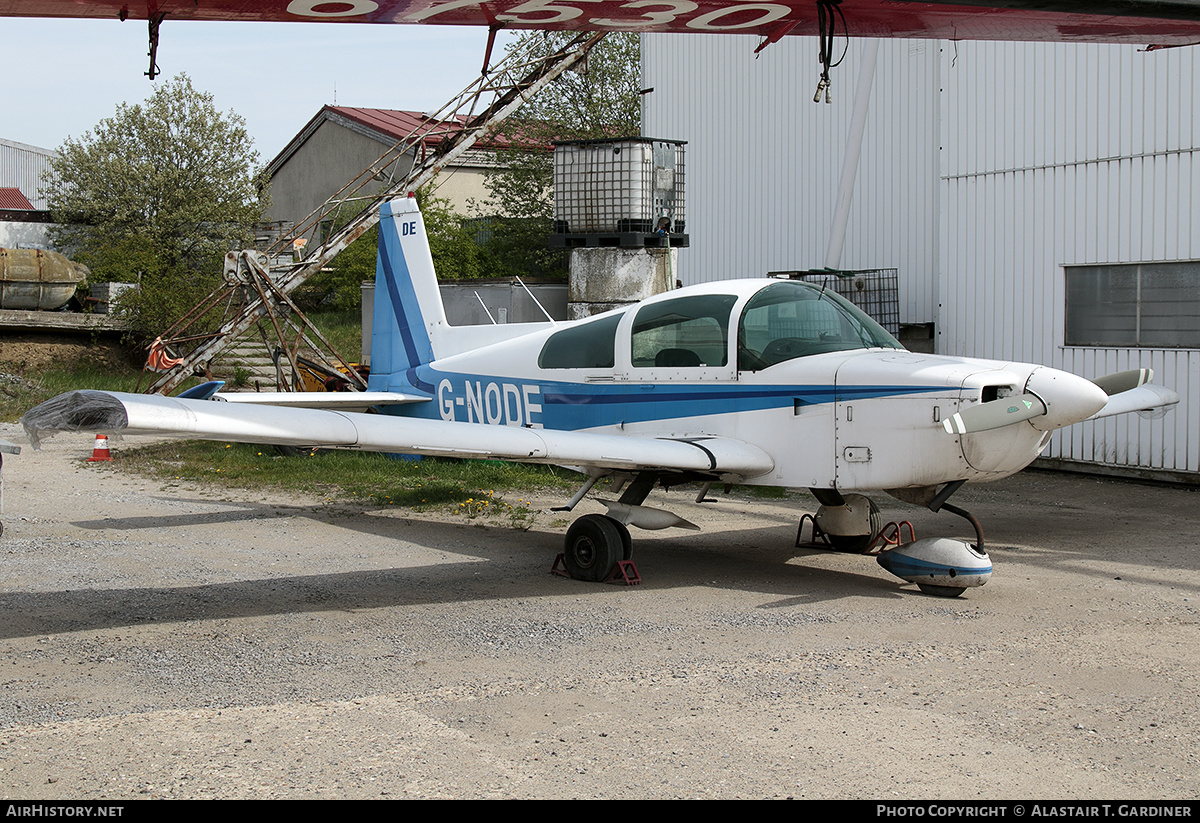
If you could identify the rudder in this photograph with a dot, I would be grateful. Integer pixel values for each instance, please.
(408, 305)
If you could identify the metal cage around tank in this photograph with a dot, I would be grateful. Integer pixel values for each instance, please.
(627, 192)
(875, 291)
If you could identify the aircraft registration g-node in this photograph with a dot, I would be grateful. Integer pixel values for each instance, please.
(474, 401)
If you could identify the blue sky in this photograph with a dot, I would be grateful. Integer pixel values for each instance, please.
(62, 76)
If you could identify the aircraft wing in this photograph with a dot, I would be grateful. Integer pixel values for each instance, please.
(1159, 22)
(115, 413)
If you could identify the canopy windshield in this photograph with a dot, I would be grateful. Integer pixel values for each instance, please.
(792, 319)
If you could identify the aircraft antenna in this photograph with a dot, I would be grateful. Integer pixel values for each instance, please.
(485, 308)
(521, 282)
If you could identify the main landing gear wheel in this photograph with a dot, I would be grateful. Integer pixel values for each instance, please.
(626, 540)
(593, 546)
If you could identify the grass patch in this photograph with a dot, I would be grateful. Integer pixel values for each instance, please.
(769, 492)
(470, 488)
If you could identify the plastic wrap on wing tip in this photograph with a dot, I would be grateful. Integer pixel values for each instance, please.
(77, 411)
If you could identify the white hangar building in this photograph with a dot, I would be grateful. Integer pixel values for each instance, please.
(1040, 201)
(24, 219)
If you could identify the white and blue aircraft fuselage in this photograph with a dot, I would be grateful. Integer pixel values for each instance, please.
(763, 382)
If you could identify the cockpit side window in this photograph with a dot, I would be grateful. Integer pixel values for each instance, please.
(687, 332)
(788, 320)
(586, 346)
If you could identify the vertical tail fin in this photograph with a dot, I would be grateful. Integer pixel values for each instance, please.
(409, 326)
(408, 305)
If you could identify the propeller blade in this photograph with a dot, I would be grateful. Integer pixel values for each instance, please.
(995, 414)
(1124, 380)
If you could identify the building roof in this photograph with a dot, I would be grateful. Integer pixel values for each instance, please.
(388, 126)
(11, 198)
(25, 147)
(397, 124)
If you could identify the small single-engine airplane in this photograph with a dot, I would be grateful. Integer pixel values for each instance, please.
(757, 381)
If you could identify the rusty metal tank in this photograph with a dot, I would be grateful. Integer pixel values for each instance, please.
(37, 279)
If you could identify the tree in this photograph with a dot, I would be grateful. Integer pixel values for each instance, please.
(456, 254)
(162, 189)
(602, 100)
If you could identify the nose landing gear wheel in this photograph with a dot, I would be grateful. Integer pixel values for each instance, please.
(593, 546)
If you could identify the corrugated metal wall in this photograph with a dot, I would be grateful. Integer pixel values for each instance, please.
(986, 168)
(764, 160)
(22, 166)
(1056, 154)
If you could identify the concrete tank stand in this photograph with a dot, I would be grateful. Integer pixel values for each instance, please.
(611, 278)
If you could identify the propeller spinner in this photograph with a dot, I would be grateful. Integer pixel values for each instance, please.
(1052, 399)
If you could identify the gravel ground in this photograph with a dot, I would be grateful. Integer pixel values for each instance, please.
(165, 640)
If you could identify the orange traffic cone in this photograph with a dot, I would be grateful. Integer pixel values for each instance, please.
(100, 450)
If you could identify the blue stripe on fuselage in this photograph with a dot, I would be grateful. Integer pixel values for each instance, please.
(572, 406)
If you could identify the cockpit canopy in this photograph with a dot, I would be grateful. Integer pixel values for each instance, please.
(791, 319)
(779, 322)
